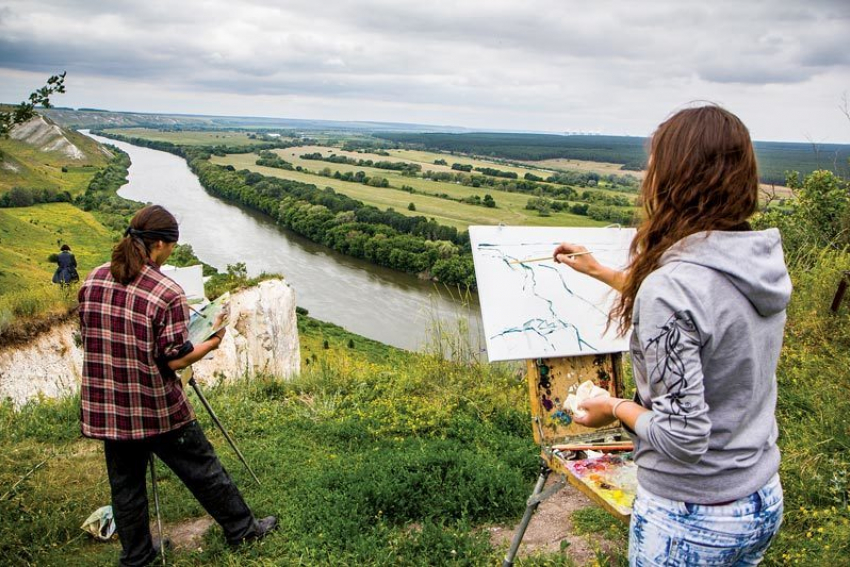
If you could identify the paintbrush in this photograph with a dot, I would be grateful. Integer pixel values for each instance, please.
(604, 448)
(544, 258)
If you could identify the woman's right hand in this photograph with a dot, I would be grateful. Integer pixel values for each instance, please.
(585, 263)
(571, 255)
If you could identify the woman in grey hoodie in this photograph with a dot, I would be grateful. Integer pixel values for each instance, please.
(704, 297)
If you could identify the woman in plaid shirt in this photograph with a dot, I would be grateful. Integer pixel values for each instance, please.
(135, 329)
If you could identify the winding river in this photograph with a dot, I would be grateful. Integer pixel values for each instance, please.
(378, 303)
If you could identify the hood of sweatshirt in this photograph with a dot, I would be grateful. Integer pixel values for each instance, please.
(751, 260)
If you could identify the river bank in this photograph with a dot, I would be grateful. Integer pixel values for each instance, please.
(378, 303)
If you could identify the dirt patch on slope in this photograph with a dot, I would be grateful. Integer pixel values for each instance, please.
(551, 529)
(24, 330)
(185, 536)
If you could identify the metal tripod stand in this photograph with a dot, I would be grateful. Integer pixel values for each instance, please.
(215, 419)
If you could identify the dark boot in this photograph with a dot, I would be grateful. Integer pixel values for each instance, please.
(261, 529)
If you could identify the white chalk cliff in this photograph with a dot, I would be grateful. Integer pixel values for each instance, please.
(42, 133)
(262, 338)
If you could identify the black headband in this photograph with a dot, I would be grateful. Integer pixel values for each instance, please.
(165, 234)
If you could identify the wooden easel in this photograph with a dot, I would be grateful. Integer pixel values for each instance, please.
(550, 380)
(839, 293)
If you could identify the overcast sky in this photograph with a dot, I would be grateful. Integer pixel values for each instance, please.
(615, 67)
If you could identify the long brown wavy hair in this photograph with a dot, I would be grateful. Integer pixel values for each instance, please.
(131, 254)
(701, 176)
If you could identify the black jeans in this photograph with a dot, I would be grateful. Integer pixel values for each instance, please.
(189, 454)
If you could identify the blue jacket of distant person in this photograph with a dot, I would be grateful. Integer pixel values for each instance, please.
(67, 270)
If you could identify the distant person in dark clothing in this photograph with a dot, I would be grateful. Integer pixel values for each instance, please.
(66, 273)
(134, 323)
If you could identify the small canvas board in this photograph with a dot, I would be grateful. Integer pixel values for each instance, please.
(543, 309)
(204, 323)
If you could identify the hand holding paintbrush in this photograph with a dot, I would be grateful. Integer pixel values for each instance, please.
(575, 256)
(546, 258)
(564, 254)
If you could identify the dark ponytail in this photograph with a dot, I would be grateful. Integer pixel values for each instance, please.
(150, 225)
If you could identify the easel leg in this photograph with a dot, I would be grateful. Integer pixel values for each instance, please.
(839, 293)
(533, 503)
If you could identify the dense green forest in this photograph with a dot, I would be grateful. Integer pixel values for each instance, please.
(775, 158)
(611, 149)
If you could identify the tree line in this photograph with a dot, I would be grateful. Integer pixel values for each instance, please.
(271, 159)
(26, 197)
(530, 147)
(404, 167)
(388, 238)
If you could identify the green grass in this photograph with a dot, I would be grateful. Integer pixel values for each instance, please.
(372, 456)
(426, 159)
(593, 520)
(813, 410)
(375, 456)
(188, 138)
(510, 206)
(28, 235)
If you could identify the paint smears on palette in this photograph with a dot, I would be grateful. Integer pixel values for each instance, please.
(540, 309)
(612, 477)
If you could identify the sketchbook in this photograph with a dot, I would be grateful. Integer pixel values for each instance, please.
(202, 323)
(542, 309)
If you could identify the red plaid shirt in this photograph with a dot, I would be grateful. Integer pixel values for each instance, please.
(129, 335)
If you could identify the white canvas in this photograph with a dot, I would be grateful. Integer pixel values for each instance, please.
(190, 278)
(543, 309)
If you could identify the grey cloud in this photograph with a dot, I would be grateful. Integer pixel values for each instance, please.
(752, 75)
(500, 56)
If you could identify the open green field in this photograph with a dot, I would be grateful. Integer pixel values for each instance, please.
(422, 157)
(24, 165)
(28, 235)
(188, 138)
(510, 206)
(426, 160)
(566, 164)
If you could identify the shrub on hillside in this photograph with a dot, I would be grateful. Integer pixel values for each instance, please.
(25, 197)
(818, 217)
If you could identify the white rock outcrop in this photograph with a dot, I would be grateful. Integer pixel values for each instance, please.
(49, 366)
(262, 338)
(42, 133)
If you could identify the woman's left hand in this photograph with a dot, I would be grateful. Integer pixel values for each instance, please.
(598, 412)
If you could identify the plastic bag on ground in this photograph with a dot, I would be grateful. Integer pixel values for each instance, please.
(101, 524)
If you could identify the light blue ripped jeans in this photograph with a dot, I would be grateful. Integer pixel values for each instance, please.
(666, 532)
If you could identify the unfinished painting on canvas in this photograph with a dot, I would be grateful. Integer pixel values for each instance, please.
(536, 308)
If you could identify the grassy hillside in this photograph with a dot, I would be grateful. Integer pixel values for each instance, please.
(24, 165)
(28, 235)
(371, 457)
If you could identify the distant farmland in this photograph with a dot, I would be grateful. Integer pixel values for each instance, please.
(775, 158)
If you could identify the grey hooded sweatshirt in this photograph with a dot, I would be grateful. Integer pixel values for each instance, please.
(708, 327)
